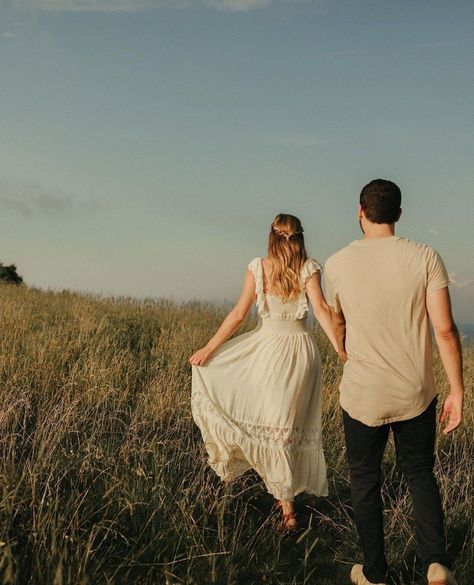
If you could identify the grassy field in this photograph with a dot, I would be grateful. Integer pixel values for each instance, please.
(103, 472)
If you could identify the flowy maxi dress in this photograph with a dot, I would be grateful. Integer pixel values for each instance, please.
(257, 400)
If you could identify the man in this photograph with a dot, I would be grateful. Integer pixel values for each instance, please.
(383, 291)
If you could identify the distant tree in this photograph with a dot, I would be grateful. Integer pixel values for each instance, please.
(9, 274)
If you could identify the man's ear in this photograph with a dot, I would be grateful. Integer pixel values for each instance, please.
(360, 212)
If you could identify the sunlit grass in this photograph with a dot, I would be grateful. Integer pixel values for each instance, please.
(104, 476)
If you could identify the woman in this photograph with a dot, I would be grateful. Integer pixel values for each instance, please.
(257, 397)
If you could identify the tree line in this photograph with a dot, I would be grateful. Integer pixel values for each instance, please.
(9, 274)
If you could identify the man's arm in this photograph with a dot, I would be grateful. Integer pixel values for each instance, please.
(438, 304)
(339, 326)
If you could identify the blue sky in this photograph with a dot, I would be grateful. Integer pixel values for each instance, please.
(147, 145)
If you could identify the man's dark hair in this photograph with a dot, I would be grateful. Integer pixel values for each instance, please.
(381, 200)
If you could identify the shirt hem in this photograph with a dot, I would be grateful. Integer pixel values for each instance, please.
(392, 419)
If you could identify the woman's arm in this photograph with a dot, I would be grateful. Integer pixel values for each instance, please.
(231, 323)
(321, 309)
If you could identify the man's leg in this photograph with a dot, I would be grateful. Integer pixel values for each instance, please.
(415, 445)
(365, 448)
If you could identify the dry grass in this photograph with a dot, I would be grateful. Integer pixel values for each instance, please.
(103, 471)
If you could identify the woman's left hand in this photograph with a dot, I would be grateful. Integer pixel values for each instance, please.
(201, 356)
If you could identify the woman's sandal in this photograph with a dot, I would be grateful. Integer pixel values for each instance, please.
(289, 520)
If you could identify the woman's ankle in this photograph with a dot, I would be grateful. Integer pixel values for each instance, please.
(287, 506)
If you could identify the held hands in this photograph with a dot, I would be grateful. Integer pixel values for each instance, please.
(201, 356)
(342, 354)
(451, 411)
(341, 351)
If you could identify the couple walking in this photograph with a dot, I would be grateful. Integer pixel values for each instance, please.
(257, 397)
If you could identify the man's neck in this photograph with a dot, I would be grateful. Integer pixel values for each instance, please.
(379, 230)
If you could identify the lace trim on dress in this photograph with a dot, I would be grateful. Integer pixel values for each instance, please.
(282, 437)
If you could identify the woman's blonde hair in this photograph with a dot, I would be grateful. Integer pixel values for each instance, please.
(286, 255)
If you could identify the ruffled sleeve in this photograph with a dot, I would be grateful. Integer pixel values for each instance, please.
(311, 266)
(255, 266)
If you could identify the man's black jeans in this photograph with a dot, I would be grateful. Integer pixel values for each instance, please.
(414, 444)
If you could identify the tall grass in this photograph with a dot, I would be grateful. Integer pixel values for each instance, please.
(104, 476)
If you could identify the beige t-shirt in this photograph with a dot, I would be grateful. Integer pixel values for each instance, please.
(381, 285)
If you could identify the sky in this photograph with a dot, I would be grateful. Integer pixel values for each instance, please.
(146, 145)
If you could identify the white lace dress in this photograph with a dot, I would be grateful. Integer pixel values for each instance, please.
(257, 401)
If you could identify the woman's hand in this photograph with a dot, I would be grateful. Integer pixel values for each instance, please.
(201, 356)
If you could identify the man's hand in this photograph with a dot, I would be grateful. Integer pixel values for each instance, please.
(451, 411)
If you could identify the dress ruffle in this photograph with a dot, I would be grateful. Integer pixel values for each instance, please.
(288, 460)
(310, 267)
(255, 266)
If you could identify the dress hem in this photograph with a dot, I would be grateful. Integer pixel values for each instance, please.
(279, 495)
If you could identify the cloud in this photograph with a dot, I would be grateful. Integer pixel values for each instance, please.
(238, 5)
(111, 6)
(30, 200)
(85, 5)
(434, 232)
(459, 283)
(8, 34)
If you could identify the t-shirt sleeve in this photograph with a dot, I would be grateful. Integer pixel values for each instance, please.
(437, 275)
(332, 297)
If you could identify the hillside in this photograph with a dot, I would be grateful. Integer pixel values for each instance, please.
(103, 471)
